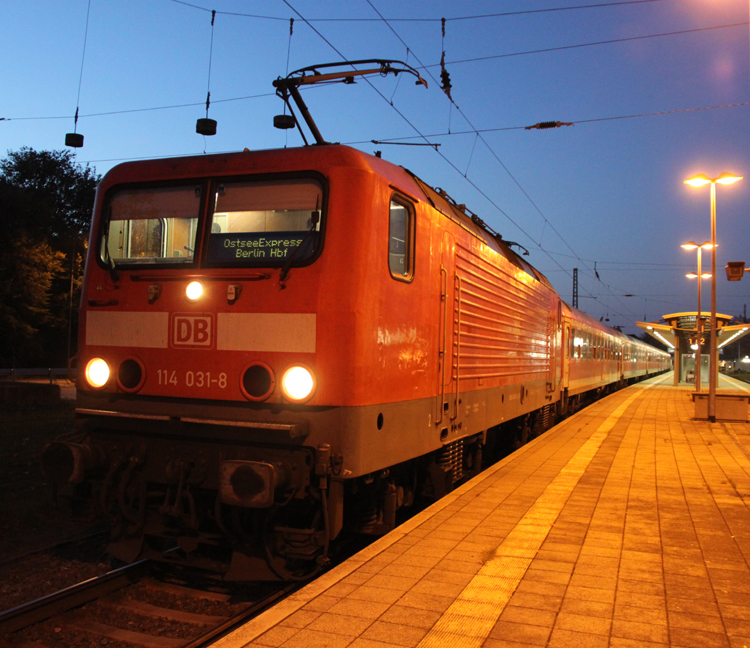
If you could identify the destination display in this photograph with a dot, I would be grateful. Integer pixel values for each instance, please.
(254, 247)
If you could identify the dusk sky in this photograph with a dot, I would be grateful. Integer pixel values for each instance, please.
(607, 193)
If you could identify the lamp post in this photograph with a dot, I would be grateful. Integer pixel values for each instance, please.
(698, 181)
(698, 321)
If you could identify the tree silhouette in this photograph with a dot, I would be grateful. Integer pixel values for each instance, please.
(46, 200)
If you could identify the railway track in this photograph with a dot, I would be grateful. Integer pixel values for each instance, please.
(131, 606)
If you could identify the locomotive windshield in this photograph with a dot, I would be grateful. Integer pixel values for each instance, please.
(251, 223)
(265, 222)
(155, 225)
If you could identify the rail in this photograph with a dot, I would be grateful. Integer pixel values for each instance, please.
(72, 597)
(104, 590)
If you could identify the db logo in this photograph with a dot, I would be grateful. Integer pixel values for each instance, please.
(192, 331)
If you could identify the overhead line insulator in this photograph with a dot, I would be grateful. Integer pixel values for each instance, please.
(549, 124)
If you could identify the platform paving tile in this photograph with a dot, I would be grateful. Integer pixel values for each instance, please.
(529, 616)
(340, 624)
(693, 606)
(396, 568)
(440, 575)
(639, 630)
(729, 611)
(301, 618)
(394, 633)
(521, 632)
(276, 636)
(376, 594)
(410, 616)
(642, 541)
(314, 639)
(562, 638)
(359, 608)
(321, 603)
(651, 615)
(587, 608)
(690, 638)
(621, 642)
(459, 566)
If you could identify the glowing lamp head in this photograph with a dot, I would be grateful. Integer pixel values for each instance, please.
(698, 180)
(702, 179)
(694, 347)
(194, 290)
(298, 383)
(97, 373)
(728, 178)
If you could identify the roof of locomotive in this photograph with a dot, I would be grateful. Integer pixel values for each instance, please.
(315, 157)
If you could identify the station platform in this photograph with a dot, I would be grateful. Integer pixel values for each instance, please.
(626, 526)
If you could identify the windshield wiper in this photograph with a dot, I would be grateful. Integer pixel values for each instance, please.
(284, 274)
(107, 257)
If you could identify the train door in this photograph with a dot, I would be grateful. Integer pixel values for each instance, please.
(553, 338)
(447, 400)
(566, 347)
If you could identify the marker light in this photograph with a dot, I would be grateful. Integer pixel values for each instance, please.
(194, 290)
(297, 383)
(97, 372)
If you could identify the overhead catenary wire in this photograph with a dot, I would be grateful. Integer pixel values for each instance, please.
(386, 140)
(383, 140)
(456, 18)
(425, 67)
(83, 58)
(208, 126)
(75, 139)
(592, 44)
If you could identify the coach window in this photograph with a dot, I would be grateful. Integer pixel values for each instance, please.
(401, 240)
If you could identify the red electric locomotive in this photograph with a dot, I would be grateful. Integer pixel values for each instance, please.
(276, 345)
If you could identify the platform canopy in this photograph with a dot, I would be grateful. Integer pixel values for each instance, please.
(675, 325)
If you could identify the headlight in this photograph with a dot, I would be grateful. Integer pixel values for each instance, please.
(194, 290)
(97, 373)
(298, 383)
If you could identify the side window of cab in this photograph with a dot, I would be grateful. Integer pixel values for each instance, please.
(401, 225)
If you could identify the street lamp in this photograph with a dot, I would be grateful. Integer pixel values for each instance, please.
(698, 181)
(698, 320)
